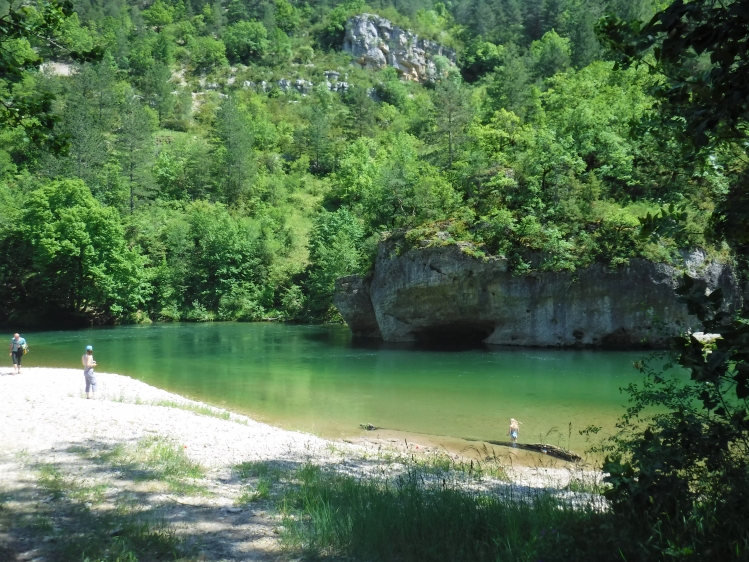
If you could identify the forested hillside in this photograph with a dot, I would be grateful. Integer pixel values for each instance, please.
(219, 160)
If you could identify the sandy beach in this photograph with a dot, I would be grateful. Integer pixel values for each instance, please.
(46, 420)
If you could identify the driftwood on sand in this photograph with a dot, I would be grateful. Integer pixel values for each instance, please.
(543, 448)
(551, 450)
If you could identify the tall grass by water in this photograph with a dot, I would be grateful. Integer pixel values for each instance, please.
(422, 514)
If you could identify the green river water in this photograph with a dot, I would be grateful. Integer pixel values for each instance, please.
(319, 380)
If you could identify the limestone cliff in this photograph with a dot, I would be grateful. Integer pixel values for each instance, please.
(445, 294)
(376, 43)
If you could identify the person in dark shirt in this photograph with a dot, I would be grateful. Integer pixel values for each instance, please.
(17, 349)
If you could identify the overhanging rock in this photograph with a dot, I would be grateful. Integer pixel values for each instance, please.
(442, 293)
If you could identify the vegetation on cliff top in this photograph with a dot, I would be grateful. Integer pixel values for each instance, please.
(187, 160)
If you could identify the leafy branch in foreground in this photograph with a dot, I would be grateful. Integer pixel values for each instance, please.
(684, 470)
(700, 46)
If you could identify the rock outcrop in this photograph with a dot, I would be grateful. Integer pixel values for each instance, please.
(352, 295)
(445, 294)
(376, 43)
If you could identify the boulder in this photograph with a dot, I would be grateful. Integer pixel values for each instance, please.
(446, 294)
(352, 296)
(376, 43)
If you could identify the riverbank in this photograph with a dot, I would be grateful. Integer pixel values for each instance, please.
(179, 460)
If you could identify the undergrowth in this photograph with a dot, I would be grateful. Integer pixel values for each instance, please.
(423, 515)
(79, 533)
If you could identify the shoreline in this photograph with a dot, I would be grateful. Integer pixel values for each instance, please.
(127, 409)
(45, 409)
(62, 455)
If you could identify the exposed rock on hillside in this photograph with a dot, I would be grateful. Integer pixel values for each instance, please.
(376, 43)
(444, 294)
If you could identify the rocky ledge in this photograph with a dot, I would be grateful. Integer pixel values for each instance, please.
(376, 43)
(446, 294)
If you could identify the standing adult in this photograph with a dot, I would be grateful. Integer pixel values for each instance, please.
(88, 371)
(17, 349)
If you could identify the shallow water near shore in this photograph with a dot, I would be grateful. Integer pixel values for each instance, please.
(320, 380)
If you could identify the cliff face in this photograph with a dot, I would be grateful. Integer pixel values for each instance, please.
(444, 294)
(376, 43)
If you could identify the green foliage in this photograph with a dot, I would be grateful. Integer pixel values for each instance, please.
(222, 177)
(683, 470)
(246, 41)
(712, 102)
(158, 14)
(286, 15)
(206, 53)
(335, 249)
(22, 25)
(480, 57)
(68, 255)
(550, 54)
(204, 261)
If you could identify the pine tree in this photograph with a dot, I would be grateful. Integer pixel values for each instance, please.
(135, 145)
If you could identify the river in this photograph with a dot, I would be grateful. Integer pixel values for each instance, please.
(319, 380)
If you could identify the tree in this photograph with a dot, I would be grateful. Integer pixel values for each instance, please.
(533, 19)
(479, 58)
(355, 176)
(318, 135)
(508, 87)
(135, 144)
(98, 82)
(579, 26)
(286, 15)
(158, 91)
(206, 53)
(226, 258)
(335, 251)
(407, 190)
(550, 54)
(683, 470)
(361, 111)
(481, 17)
(234, 154)
(246, 41)
(158, 14)
(453, 113)
(80, 263)
(86, 120)
(699, 52)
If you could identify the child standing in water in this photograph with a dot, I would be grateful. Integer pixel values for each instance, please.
(514, 430)
(88, 371)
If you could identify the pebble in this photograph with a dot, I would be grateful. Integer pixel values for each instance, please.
(234, 509)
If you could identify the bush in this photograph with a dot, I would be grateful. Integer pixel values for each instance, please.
(206, 53)
(683, 472)
(246, 41)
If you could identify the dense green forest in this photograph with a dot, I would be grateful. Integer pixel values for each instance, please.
(164, 174)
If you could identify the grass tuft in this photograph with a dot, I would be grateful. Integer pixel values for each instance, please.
(194, 408)
(265, 474)
(159, 459)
